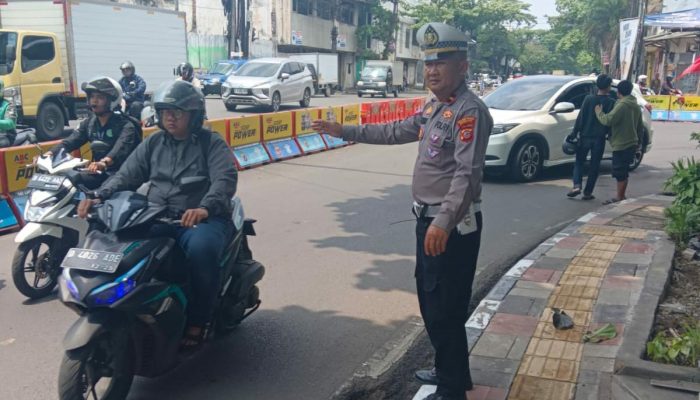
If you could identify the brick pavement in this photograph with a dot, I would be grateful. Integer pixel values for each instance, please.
(594, 270)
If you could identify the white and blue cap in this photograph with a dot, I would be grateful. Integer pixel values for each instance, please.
(438, 40)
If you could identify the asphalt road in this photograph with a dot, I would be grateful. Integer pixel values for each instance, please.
(335, 233)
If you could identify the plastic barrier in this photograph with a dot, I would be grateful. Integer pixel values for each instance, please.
(333, 114)
(308, 140)
(278, 136)
(674, 108)
(245, 138)
(376, 113)
(366, 113)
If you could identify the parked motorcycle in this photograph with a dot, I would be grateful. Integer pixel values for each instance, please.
(50, 228)
(131, 290)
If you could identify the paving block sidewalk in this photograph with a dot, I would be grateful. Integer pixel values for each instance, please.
(595, 270)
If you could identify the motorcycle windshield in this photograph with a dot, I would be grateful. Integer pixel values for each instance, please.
(126, 210)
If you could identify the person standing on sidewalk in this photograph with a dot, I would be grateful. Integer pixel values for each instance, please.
(591, 135)
(625, 121)
(453, 132)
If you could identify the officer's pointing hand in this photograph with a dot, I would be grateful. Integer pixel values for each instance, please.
(435, 241)
(331, 128)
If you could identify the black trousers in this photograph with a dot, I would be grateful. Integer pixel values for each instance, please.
(444, 286)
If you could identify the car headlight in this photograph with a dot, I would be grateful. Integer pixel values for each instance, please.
(381, 84)
(261, 92)
(360, 83)
(502, 128)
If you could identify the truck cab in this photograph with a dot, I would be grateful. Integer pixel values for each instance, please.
(380, 77)
(31, 68)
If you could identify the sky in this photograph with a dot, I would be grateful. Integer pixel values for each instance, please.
(541, 8)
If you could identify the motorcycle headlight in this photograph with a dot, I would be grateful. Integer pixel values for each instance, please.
(34, 213)
(111, 292)
(381, 84)
(502, 128)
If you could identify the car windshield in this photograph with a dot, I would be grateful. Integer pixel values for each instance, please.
(221, 68)
(8, 46)
(524, 94)
(374, 72)
(258, 69)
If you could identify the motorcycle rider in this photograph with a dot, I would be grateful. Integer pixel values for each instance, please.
(642, 82)
(134, 88)
(119, 132)
(185, 72)
(191, 171)
(7, 121)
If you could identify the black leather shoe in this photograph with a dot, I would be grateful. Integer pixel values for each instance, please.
(427, 376)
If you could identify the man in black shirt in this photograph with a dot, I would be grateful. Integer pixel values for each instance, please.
(591, 136)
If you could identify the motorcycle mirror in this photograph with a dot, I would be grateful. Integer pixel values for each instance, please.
(99, 146)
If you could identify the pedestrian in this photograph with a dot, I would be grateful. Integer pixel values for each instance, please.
(656, 83)
(625, 121)
(482, 85)
(453, 133)
(590, 135)
(642, 82)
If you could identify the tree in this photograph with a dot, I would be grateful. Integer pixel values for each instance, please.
(382, 28)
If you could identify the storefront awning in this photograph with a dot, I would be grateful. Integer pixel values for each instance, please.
(670, 36)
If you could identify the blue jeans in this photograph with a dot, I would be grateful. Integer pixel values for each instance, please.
(596, 146)
(203, 247)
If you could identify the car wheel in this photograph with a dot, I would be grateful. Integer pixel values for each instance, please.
(230, 107)
(359, 94)
(372, 96)
(526, 163)
(276, 101)
(327, 91)
(306, 101)
(638, 156)
(385, 94)
(396, 93)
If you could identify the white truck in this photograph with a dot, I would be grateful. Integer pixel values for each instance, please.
(49, 47)
(381, 77)
(325, 70)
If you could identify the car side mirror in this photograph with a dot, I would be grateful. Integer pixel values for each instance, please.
(563, 107)
(284, 76)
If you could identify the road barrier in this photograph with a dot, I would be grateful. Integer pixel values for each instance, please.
(254, 140)
(674, 108)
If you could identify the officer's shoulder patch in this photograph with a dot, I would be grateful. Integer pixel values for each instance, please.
(466, 128)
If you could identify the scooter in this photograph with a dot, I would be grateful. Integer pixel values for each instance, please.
(130, 290)
(50, 229)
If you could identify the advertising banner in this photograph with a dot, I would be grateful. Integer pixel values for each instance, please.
(277, 126)
(244, 131)
(250, 155)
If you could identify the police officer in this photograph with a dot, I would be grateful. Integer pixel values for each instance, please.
(453, 132)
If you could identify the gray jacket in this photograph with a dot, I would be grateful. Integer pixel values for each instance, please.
(165, 162)
(453, 138)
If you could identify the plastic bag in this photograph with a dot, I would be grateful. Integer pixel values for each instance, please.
(561, 319)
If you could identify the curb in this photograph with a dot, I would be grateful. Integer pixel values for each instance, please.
(658, 274)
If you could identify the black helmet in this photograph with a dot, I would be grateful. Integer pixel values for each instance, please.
(181, 95)
(107, 86)
(569, 147)
(185, 71)
(128, 65)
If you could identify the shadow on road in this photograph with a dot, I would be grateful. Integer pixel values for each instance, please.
(269, 354)
(53, 296)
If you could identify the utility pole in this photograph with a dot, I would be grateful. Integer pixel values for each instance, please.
(194, 16)
(639, 53)
(396, 29)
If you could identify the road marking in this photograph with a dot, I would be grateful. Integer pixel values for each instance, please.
(7, 342)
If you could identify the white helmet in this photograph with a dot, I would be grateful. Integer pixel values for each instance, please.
(107, 86)
(642, 78)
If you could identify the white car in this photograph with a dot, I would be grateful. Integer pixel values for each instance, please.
(532, 117)
(268, 82)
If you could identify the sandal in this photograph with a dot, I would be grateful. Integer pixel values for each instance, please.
(192, 342)
(611, 201)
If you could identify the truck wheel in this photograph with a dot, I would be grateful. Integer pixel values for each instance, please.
(396, 93)
(359, 94)
(50, 122)
(384, 94)
(230, 107)
(326, 91)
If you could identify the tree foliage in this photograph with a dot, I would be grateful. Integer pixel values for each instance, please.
(383, 26)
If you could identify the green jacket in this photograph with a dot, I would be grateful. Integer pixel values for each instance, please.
(7, 126)
(625, 122)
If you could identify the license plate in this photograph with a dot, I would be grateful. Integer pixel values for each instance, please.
(92, 260)
(240, 91)
(46, 182)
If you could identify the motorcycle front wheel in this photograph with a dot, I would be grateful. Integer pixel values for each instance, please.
(102, 370)
(32, 272)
